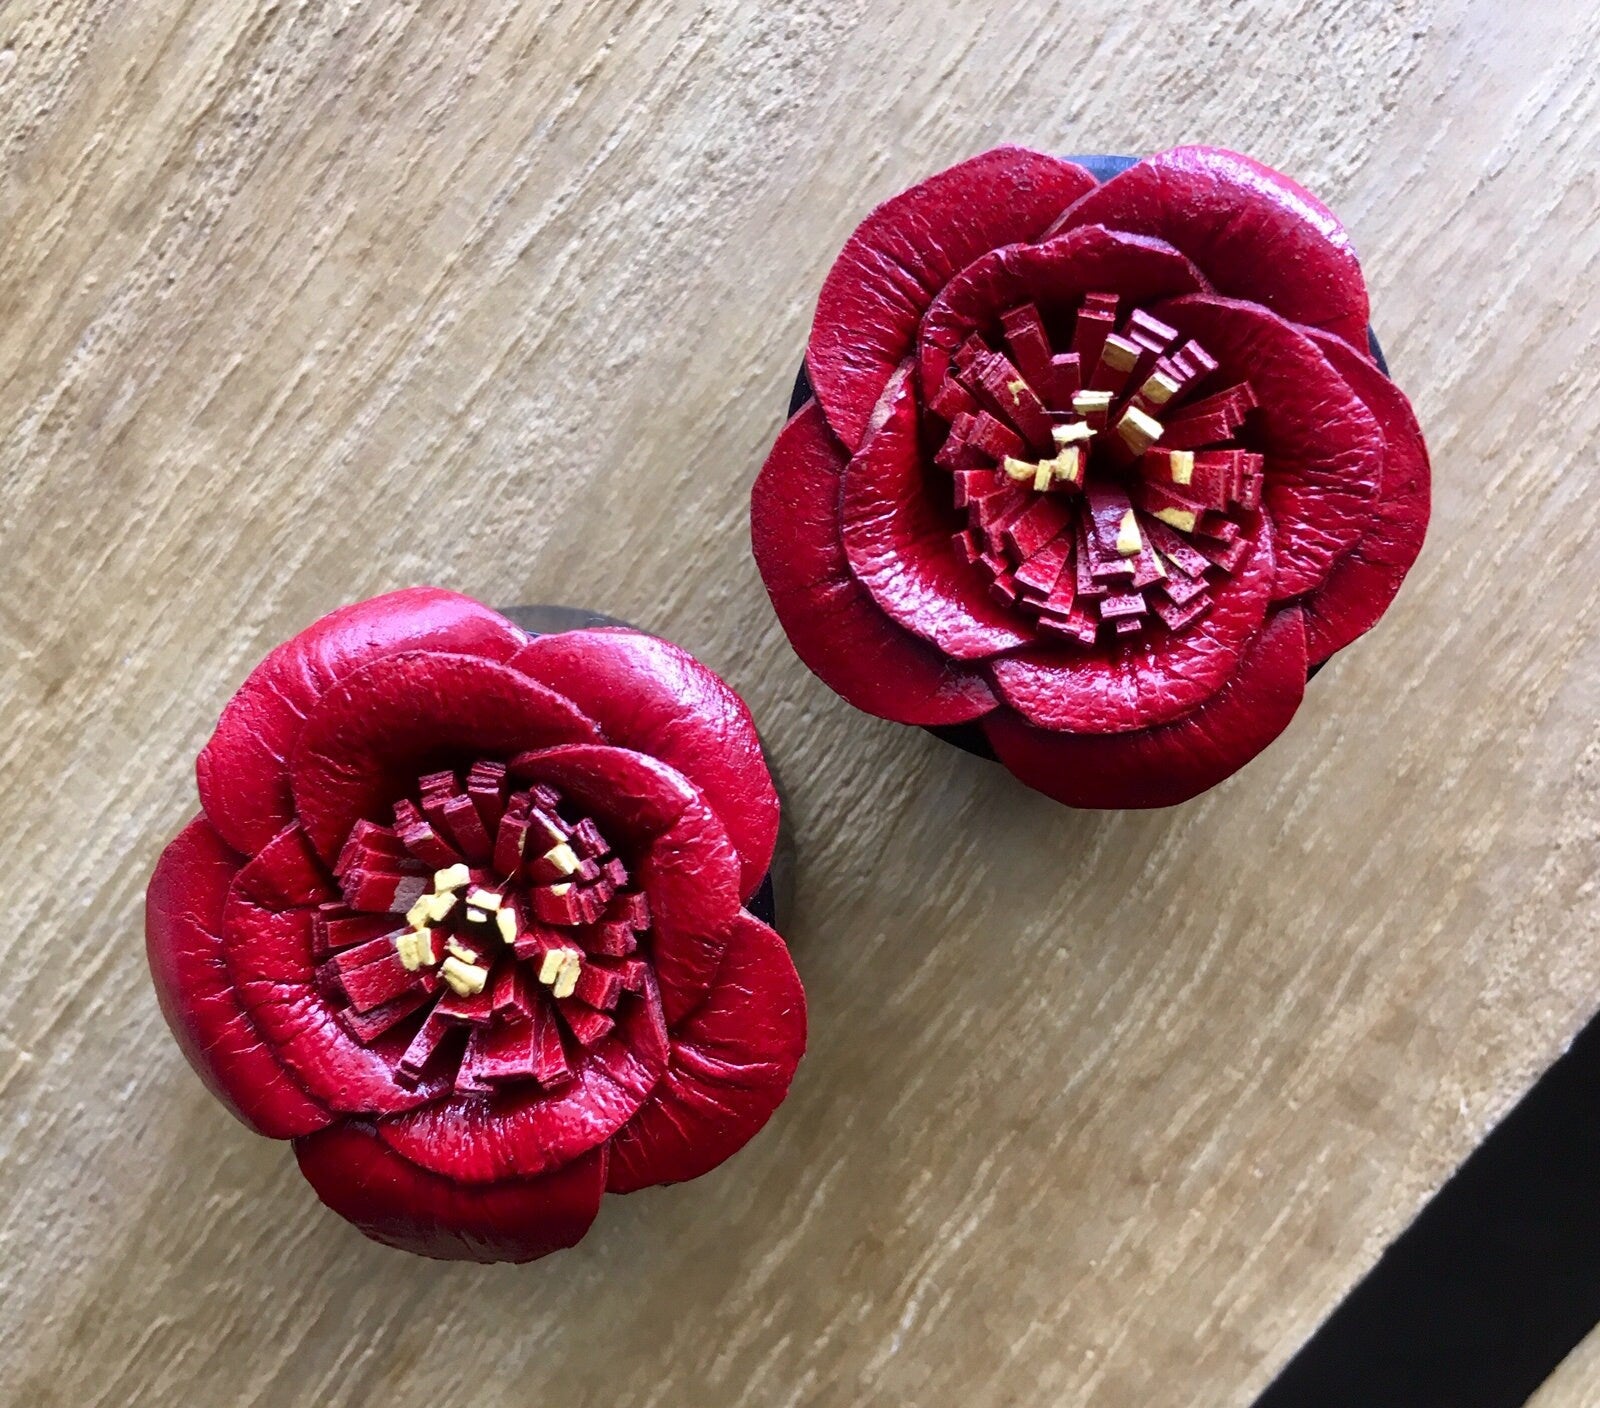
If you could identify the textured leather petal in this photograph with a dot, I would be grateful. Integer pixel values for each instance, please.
(1323, 447)
(898, 541)
(905, 251)
(394, 1202)
(651, 696)
(833, 624)
(243, 772)
(267, 948)
(732, 1061)
(1368, 576)
(371, 735)
(680, 855)
(1054, 276)
(1159, 767)
(1152, 679)
(1253, 232)
(528, 1132)
(183, 941)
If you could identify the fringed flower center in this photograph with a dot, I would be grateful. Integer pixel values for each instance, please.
(490, 922)
(1101, 495)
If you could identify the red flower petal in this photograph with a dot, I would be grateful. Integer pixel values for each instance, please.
(1323, 448)
(1159, 767)
(1149, 679)
(898, 542)
(831, 622)
(268, 953)
(1054, 276)
(677, 848)
(394, 1202)
(529, 1132)
(905, 251)
(732, 1061)
(1365, 580)
(1253, 232)
(653, 697)
(243, 771)
(183, 940)
(371, 735)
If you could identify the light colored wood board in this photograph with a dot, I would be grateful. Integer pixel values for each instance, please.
(301, 301)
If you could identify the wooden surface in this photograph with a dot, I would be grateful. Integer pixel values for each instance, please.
(303, 301)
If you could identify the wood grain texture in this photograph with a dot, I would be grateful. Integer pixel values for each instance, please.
(1573, 1384)
(303, 301)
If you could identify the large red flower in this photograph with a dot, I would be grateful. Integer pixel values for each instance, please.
(463, 917)
(1102, 469)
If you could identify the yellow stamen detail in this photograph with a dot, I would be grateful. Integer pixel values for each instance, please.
(563, 857)
(415, 950)
(452, 877)
(1119, 354)
(1138, 430)
(1068, 465)
(1158, 389)
(465, 979)
(1128, 540)
(567, 979)
(506, 922)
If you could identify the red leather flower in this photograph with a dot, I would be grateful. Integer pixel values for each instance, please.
(462, 916)
(1104, 469)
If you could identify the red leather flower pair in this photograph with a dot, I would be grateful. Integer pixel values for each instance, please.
(1104, 469)
(463, 917)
